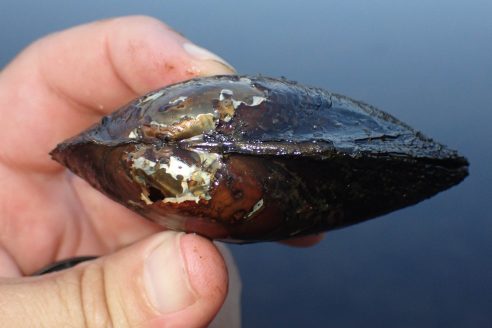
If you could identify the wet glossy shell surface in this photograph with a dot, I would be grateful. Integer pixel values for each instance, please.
(242, 159)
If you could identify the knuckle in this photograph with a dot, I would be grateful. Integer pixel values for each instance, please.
(83, 295)
(94, 301)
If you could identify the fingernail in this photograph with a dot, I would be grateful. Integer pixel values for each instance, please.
(203, 54)
(166, 276)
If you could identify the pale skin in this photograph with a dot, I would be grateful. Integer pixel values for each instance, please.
(54, 89)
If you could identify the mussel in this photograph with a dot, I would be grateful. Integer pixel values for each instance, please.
(252, 158)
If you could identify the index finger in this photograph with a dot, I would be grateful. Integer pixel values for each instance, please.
(63, 83)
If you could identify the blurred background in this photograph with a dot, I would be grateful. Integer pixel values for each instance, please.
(429, 63)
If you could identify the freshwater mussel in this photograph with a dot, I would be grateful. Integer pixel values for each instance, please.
(243, 158)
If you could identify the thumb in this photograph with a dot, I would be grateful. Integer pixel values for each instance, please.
(169, 279)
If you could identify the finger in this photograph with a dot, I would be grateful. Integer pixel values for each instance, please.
(170, 279)
(304, 241)
(66, 81)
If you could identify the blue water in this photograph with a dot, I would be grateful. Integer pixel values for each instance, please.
(427, 62)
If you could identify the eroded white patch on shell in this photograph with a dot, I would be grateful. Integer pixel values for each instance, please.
(257, 100)
(145, 165)
(258, 206)
(195, 180)
(225, 92)
(245, 80)
(177, 167)
(158, 124)
(178, 100)
(133, 134)
(254, 102)
(227, 95)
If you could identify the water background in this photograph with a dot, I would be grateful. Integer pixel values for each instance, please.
(428, 63)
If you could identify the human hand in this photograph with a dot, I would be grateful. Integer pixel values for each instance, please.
(55, 88)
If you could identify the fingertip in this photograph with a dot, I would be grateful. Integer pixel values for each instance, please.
(149, 54)
(215, 63)
(207, 276)
(206, 267)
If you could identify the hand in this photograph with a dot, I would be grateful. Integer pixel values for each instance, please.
(55, 88)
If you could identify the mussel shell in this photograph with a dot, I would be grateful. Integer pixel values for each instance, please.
(243, 158)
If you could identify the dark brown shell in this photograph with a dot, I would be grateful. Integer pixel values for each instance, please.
(244, 159)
